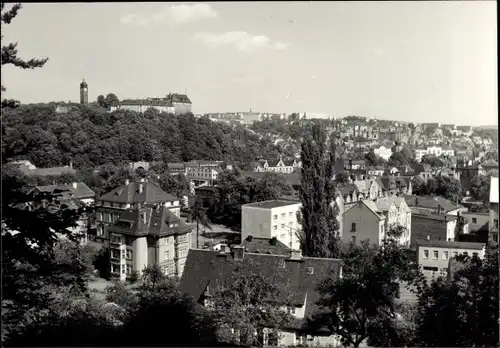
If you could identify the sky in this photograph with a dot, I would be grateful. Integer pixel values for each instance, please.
(409, 61)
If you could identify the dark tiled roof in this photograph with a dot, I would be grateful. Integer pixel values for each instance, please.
(270, 204)
(449, 244)
(431, 202)
(150, 102)
(265, 246)
(347, 189)
(130, 194)
(157, 222)
(204, 267)
(178, 98)
(81, 191)
(176, 166)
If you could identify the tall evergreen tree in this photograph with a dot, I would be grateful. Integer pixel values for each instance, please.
(318, 215)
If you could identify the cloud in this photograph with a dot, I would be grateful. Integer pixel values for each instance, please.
(241, 40)
(176, 14)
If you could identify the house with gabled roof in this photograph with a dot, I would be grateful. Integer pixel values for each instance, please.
(131, 195)
(206, 269)
(151, 234)
(369, 188)
(362, 222)
(279, 165)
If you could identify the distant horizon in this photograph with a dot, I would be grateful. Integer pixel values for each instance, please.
(338, 58)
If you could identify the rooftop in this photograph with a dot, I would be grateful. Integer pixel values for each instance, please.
(131, 193)
(259, 245)
(270, 204)
(449, 244)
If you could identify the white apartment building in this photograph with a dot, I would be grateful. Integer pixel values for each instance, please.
(383, 152)
(419, 153)
(434, 151)
(141, 105)
(434, 255)
(268, 219)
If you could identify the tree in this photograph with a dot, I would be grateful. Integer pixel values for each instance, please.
(9, 51)
(198, 214)
(361, 305)
(246, 302)
(447, 187)
(433, 161)
(462, 312)
(318, 214)
(480, 188)
(111, 100)
(101, 101)
(164, 317)
(373, 160)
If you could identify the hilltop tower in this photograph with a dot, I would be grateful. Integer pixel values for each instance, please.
(84, 93)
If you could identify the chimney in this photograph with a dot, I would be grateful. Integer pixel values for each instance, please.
(127, 181)
(238, 252)
(439, 209)
(141, 187)
(295, 255)
(71, 164)
(428, 237)
(249, 238)
(144, 217)
(75, 185)
(273, 241)
(143, 180)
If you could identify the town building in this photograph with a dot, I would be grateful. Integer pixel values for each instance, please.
(362, 222)
(434, 256)
(132, 195)
(268, 219)
(494, 210)
(206, 269)
(257, 245)
(437, 227)
(204, 171)
(73, 196)
(419, 153)
(141, 105)
(151, 234)
(30, 169)
(277, 166)
(370, 220)
(383, 152)
(180, 102)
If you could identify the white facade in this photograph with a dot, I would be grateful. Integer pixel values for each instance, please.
(434, 151)
(419, 153)
(143, 107)
(383, 152)
(272, 219)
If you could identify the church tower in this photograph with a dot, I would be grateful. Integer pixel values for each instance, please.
(84, 93)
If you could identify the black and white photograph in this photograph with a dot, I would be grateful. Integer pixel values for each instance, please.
(250, 174)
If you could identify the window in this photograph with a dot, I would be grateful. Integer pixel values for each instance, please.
(129, 269)
(495, 223)
(275, 227)
(283, 236)
(182, 253)
(455, 254)
(129, 254)
(435, 254)
(354, 239)
(353, 227)
(291, 310)
(290, 213)
(115, 268)
(99, 216)
(426, 254)
(310, 270)
(282, 226)
(281, 263)
(283, 215)
(100, 230)
(116, 239)
(182, 239)
(275, 217)
(466, 253)
(474, 220)
(475, 254)
(115, 254)
(445, 255)
(166, 256)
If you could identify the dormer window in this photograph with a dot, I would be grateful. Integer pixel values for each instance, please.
(310, 270)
